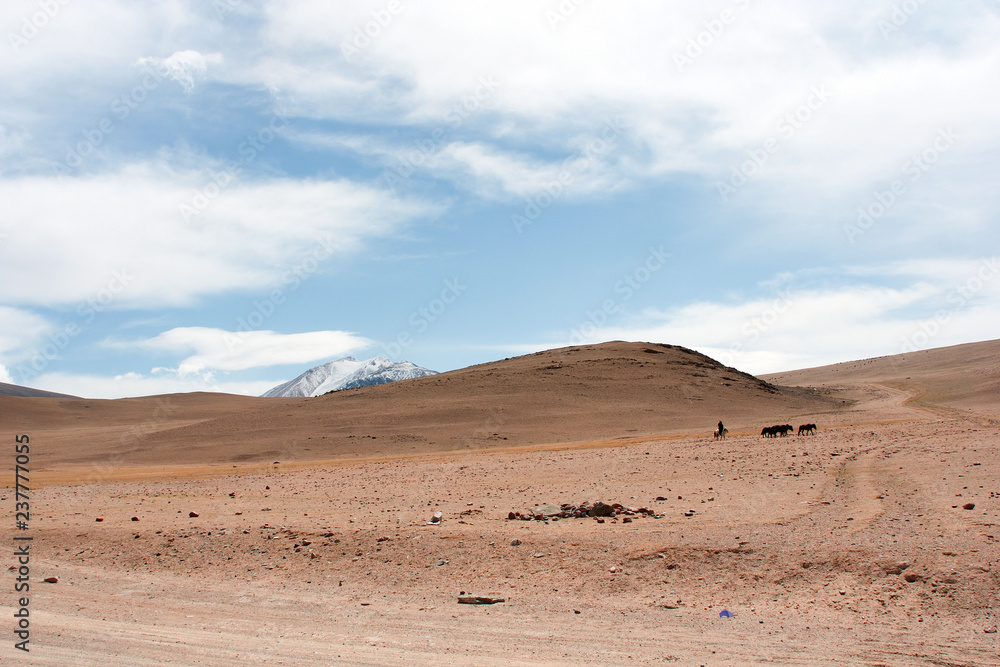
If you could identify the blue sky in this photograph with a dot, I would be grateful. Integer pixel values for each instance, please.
(218, 196)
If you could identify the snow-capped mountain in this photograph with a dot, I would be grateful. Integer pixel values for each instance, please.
(347, 373)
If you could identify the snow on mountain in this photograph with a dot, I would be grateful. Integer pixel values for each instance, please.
(347, 373)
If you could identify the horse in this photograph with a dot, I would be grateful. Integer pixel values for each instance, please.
(769, 431)
(785, 429)
(721, 435)
(807, 429)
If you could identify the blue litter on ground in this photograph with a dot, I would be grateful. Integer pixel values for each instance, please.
(725, 613)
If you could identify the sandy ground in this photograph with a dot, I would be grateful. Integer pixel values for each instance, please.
(850, 546)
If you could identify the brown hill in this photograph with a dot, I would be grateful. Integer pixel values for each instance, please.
(17, 390)
(965, 377)
(595, 392)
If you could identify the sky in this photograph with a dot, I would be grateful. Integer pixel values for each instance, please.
(218, 195)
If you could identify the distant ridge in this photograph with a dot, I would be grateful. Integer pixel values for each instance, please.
(616, 391)
(28, 392)
(347, 373)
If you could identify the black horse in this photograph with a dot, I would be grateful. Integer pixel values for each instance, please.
(807, 429)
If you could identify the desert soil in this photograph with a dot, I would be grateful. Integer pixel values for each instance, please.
(851, 546)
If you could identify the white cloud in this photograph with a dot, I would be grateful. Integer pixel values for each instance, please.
(797, 327)
(219, 350)
(185, 67)
(846, 105)
(20, 333)
(144, 237)
(135, 384)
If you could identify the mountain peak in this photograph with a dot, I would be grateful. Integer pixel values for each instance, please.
(347, 373)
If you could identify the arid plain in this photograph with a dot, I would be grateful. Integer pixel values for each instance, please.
(214, 529)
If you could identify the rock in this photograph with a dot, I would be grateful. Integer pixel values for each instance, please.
(51, 580)
(548, 510)
(600, 509)
(193, 515)
(969, 506)
(478, 599)
(627, 520)
(600, 521)
(99, 519)
(896, 568)
(511, 516)
(515, 542)
(912, 577)
(436, 518)
(135, 518)
(990, 630)
(660, 498)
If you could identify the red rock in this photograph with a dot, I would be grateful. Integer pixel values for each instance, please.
(969, 506)
(192, 514)
(51, 580)
(99, 519)
(135, 518)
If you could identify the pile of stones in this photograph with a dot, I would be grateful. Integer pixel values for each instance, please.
(598, 510)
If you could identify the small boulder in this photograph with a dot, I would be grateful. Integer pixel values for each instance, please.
(548, 510)
(601, 509)
(969, 506)
(193, 515)
(51, 580)
(436, 518)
